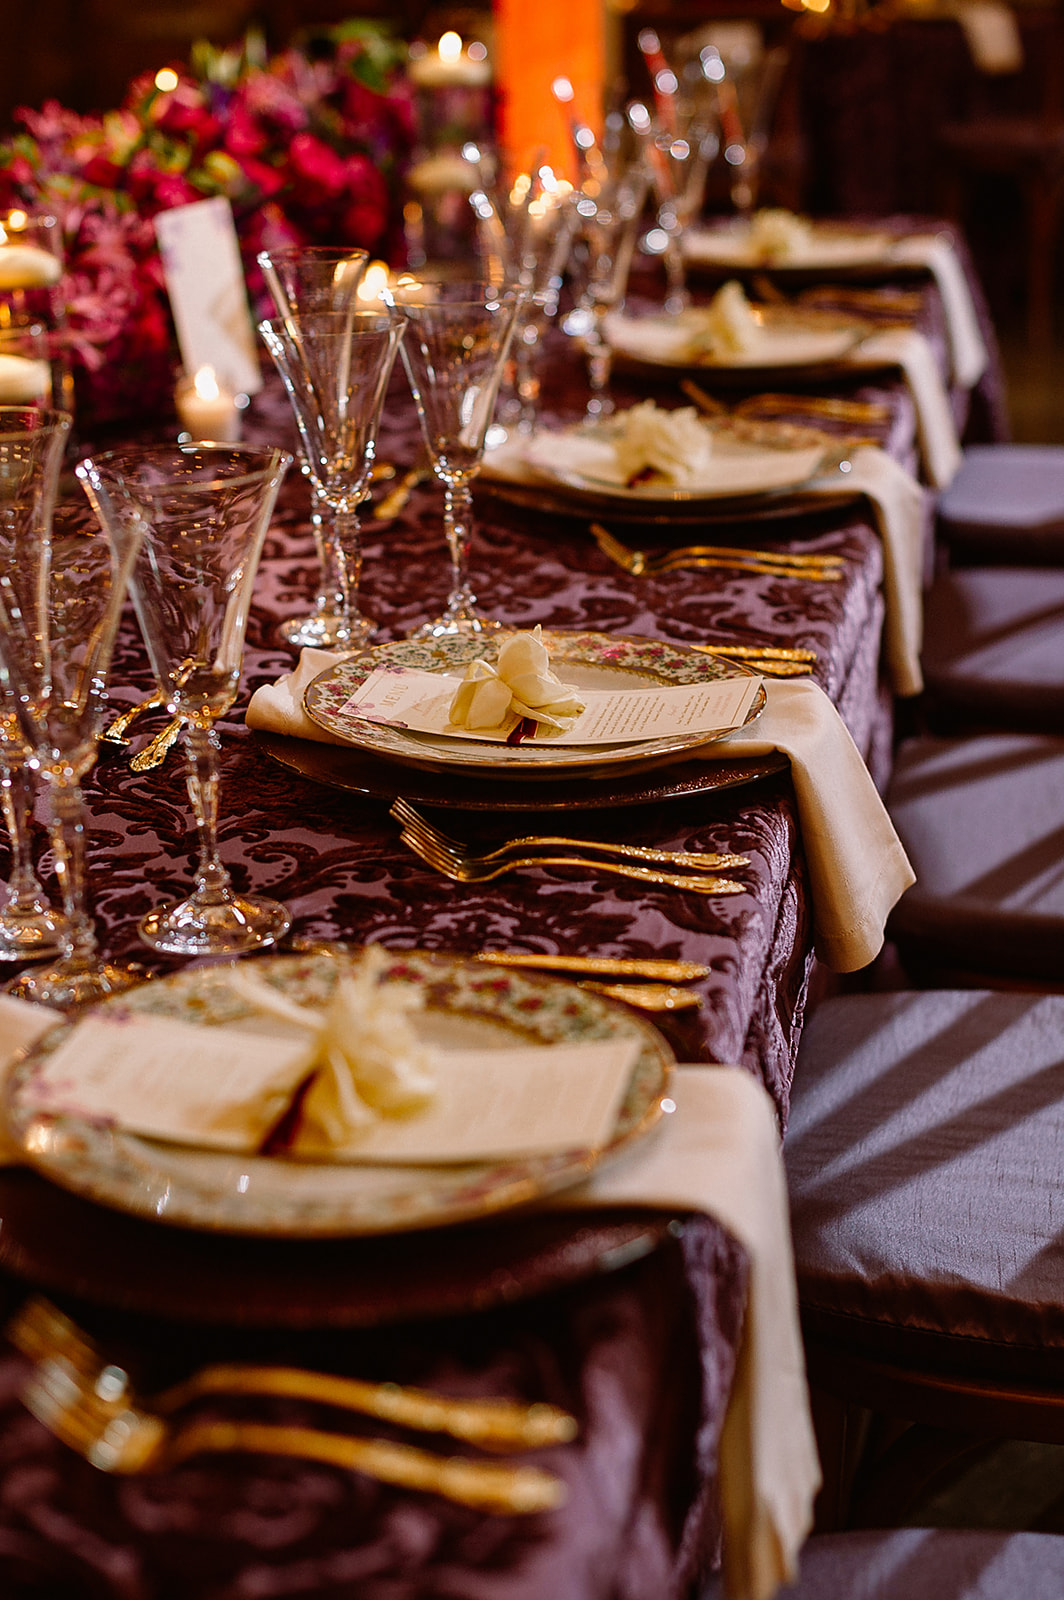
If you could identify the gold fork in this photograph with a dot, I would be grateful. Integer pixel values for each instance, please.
(122, 1438)
(829, 407)
(156, 750)
(817, 568)
(117, 730)
(472, 871)
(413, 821)
(44, 1333)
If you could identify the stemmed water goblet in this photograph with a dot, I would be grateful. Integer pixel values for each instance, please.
(54, 661)
(457, 339)
(203, 511)
(609, 221)
(335, 367)
(303, 279)
(32, 443)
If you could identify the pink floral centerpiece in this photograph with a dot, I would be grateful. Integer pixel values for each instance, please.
(307, 145)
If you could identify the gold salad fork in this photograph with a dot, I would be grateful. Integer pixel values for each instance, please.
(418, 825)
(813, 567)
(830, 408)
(472, 870)
(89, 1405)
(44, 1333)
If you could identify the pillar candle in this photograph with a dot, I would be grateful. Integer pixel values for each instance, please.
(534, 44)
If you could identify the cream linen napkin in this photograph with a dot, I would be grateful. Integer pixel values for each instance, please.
(857, 867)
(898, 505)
(936, 429)
(935, 252)
(719, 1153)
(992, 34)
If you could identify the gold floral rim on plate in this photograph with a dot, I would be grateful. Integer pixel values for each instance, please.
(587, 660)
(465, 1002)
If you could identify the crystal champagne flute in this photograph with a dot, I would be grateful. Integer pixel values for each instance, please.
(54, 666)
(204, 511)
(458, 335)
(303, 279)
(609, 221)
(32, 443)
(335, 367)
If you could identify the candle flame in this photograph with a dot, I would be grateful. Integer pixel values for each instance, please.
(374, 280)
(166, 79)
(205, 384)
(450, 46)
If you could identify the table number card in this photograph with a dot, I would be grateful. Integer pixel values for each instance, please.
(205, 282)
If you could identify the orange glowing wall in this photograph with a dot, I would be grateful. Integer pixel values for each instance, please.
(537, 41)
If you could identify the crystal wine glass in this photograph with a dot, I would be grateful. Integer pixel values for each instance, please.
(32, 443)
(678, 152)
(335, 367)
(55, 667)
(609, 220)
(304, 279)
(204, 510)
(457, 339)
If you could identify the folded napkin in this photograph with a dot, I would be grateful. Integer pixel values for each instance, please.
(935, 253)
(936, 429)
(992, 34)
(718, 1153)
(858, 869)
(278, 707)
(899, 508)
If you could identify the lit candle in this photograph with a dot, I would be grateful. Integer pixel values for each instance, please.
(451, 66)
(23, 379)
(26, 266)
(206, 408)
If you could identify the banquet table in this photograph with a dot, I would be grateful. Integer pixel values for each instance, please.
(641, 1344)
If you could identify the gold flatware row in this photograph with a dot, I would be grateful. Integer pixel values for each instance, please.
(44, 1333)
(126, 1440)
(641, 563)
(888, 301)
(647, 996)
(604, 966)
(769, 666)
(829, 408)
(461, 854)
(473, 873)
(759, 652)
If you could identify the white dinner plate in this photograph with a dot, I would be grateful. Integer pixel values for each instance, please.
(790, 339)
(742, 465)
(828, 248)
(466, 1003)
(585, 660)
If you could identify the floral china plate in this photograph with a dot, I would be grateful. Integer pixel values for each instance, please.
(585, 660)
(467, 1003)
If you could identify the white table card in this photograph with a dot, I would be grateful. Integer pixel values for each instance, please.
(205, 282)
(421, 701)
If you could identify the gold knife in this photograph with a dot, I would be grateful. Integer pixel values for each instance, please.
(600, 966)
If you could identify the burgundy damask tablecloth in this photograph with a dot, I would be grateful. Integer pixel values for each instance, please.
(643, 1355)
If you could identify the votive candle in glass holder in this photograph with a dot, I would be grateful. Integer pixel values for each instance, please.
(207, 408)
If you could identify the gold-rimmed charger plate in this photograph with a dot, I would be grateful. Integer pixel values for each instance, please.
(586, 660)
(466, 1003)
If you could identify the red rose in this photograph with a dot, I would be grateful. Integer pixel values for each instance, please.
(319, 172)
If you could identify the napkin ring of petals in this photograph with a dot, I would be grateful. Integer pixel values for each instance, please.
(520, 685)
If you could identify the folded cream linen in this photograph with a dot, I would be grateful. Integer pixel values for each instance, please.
(936, 254)
(857, 867)
(899, 507)
(992, 34)
(935, 427)
(719, 1153)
